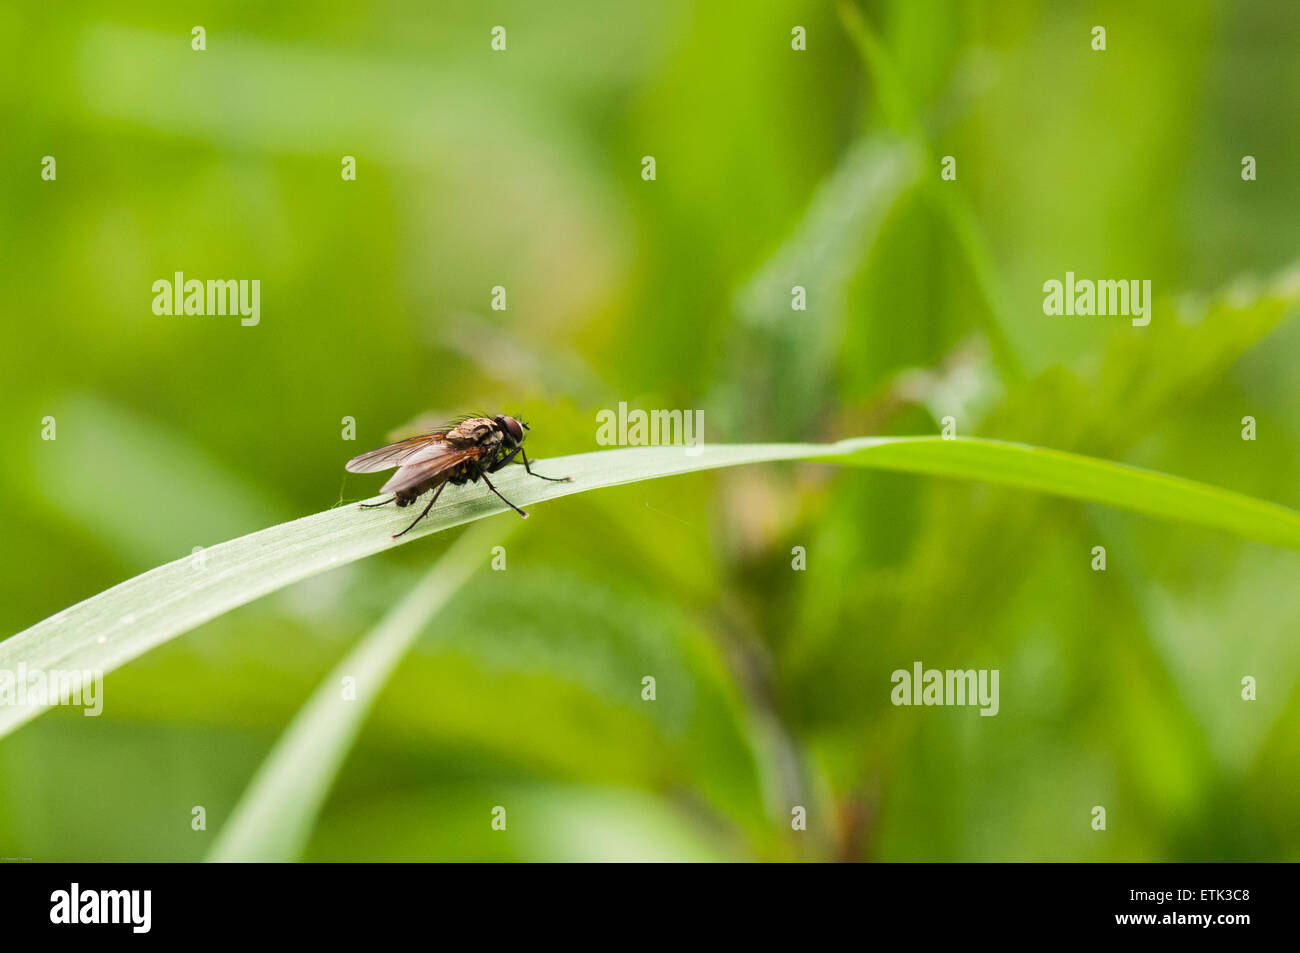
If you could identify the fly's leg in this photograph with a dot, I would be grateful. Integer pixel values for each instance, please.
(502, 498)
(371, 506)
(436, 494)
(529, 469)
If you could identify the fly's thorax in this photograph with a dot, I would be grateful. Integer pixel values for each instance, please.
(475, 430)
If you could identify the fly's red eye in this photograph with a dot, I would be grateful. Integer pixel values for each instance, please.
(512, 427)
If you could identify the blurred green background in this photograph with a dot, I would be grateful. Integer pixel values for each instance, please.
(774, 168)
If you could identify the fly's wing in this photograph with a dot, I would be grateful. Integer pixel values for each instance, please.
(435, 460)
(395, 454)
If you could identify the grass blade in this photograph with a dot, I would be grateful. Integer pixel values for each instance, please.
(278, 810)
(122, 623)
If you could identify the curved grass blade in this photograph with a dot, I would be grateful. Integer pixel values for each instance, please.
(122, 623)
(278, 810)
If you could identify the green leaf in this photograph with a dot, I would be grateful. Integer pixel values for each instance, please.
(124, 622)
(275, 816)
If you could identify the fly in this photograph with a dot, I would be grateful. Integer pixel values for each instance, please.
(463, 453)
